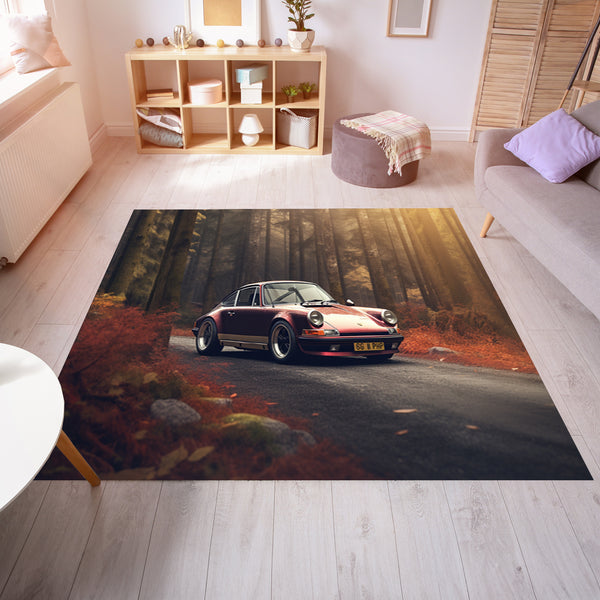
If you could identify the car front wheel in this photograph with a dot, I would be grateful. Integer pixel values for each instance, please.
(207, 340)
(282, 342)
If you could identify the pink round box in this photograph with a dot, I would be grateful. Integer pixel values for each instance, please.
(205, 91)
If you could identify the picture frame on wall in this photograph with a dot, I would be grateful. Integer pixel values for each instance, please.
(408, 18)
(227, 20)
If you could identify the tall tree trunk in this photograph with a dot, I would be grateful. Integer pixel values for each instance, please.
(448, 278)
(166, 291)
(323, 275)
(381, 288)
(422, 261)
(189, 277)
(326, 244)
(399, 219)
(242, 276)
(255, 246)
(209, 298)
(268, 246)
(295, 244)
(121, 271)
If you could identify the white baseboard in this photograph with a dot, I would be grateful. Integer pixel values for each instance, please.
(98, 137)
(120, 130)
(449, 134)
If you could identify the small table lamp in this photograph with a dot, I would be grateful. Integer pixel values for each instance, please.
(250, 127)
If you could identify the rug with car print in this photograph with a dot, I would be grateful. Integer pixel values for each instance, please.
(305, 344)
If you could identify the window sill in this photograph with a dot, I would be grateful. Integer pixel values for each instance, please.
(17, 91)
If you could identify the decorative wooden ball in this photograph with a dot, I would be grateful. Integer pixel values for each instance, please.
(166, 41)
(139, 43)
(150, 42)
(200, 43)
(261, 43)
(239, 43)
(278, 41)
(220, 44)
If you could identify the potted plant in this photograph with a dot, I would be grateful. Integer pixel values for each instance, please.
(290, 91)
(300, 38)
(307, 89)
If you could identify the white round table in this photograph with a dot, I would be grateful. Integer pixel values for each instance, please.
(31, 416)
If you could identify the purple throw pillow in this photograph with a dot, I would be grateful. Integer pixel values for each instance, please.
(557, 146)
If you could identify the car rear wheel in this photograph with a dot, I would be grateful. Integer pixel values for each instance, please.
(282, 342)
(207, 340)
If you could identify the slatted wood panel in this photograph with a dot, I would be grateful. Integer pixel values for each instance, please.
(507, 78)
(508, 63)
(557, 61)
(518, 14)
(533, 46)
(569, 23)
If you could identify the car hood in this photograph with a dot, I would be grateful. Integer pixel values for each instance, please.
(348, 319)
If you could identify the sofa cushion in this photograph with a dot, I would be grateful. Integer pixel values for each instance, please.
(557, 146)
(589, 116)
(558, 224)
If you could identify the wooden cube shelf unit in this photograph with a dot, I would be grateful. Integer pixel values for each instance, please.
(212, 128)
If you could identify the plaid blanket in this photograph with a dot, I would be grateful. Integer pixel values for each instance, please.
(403, 138)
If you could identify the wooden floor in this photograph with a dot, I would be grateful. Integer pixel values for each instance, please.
(297, 540)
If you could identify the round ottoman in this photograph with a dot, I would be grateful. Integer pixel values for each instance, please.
(358, 159)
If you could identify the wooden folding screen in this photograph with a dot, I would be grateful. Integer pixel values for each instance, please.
(531, 51)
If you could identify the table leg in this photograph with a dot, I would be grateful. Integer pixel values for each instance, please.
(66, 446)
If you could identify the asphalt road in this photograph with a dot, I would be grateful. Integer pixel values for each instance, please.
(411, 418)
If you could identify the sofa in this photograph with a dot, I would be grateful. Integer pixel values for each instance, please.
(558, 223)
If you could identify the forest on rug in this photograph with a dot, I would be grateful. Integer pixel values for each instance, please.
(460, 400)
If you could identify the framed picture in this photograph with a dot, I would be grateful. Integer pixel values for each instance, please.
(228, 20)
(408, 18)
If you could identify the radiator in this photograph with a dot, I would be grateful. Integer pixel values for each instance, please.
(43, 154)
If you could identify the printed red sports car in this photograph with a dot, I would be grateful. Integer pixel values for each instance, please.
(288, 318)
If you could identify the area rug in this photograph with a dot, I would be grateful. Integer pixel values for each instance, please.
(461, 400)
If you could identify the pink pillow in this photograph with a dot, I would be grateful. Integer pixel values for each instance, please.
(32, 43)
(557, 146)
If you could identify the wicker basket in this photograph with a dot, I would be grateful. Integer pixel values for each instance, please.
(297, 128)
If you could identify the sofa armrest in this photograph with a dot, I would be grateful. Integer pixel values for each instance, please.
(491, 152)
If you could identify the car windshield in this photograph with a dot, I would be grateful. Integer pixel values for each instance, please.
(286, 292)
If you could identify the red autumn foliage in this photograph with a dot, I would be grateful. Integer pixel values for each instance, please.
(120, 365)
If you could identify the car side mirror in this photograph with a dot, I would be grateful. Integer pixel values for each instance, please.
(349, 302)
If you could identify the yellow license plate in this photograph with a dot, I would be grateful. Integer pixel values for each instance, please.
(368, 346)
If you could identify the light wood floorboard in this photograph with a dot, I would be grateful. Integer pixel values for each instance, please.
(260, 540)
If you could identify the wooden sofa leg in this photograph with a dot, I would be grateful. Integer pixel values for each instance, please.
(489, 219)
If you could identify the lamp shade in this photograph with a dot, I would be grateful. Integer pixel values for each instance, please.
(250, 127)
(250, 124)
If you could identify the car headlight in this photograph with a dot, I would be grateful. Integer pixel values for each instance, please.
(389, 317)
(315, 318)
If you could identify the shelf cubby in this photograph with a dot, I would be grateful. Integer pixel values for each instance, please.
(213, 128)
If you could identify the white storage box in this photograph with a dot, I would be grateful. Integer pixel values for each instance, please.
(205, 91)
(297, 128)
(251, 74)
(252, 94)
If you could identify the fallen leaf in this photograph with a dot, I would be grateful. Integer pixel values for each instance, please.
(171, 460)
(402, 432)
(405, 411)
(200, 453)
(472, 427)
(271, 403)
(233, 395)
(315, 414)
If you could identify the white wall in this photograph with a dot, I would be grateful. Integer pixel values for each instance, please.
(70, 25)
(433, 78)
